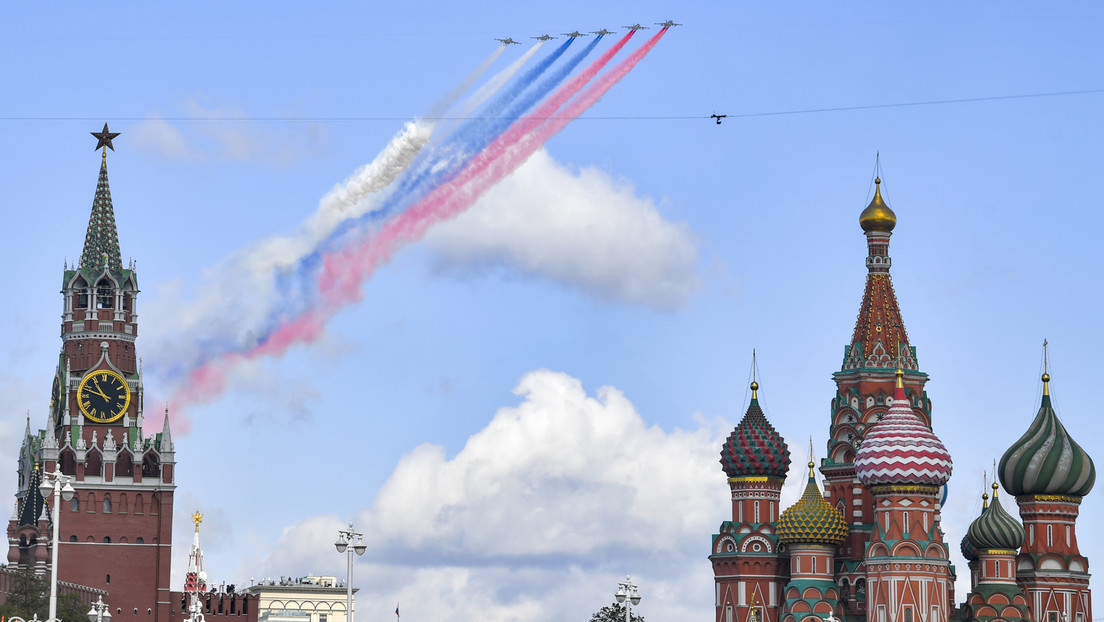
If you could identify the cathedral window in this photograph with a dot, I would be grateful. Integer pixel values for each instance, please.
(756, 511)
(908, 614)
(1050, 535)
(906, 521)
(107, 504)
(74, 505)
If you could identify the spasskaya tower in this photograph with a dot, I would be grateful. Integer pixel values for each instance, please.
(116, 532)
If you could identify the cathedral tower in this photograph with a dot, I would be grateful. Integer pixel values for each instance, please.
(748, 568)
(116, 533)
(1049, 473)
(994, 537)
(904, 465)
(864, 388)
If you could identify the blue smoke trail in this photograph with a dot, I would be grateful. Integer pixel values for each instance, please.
(438, 165)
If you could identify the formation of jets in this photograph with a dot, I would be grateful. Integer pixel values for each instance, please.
(601, 33)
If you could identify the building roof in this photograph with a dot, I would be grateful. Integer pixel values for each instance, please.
(995, 528)
(1046, 459)
(900, 449)
(812, 520)
(755, 448)
(101, 241)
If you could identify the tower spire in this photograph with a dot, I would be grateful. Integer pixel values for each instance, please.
(101, 242)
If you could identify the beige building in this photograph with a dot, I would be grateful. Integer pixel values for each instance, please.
(307, 599)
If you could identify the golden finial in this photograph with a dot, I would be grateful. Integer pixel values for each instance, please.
(754, 377)
(1046, 376)
(984, 495)
(995, 486)
(197, 518)
(900, 375)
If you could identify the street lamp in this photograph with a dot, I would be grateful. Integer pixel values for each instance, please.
(61, 486)
(100, 611)
(626, 590)
(345, 544)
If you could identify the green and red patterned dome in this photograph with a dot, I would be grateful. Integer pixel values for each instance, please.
(995, 528)
(1046, 460)
(755, 448)
(812, 520)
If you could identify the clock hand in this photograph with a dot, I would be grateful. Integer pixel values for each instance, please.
(99, 390)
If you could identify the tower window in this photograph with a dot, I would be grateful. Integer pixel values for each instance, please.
(756, 511)
(1050, 535)
(107, 539)
(107, 579)
(139, 540)
(72, 538)
(74, 505)
(105, 295)
(107, 504)
(906, 522)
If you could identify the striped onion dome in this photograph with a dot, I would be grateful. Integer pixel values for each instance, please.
(900, 449)
(995, 528)
(968, 550)
(1046, 459)
(755, 448)
(812, 520)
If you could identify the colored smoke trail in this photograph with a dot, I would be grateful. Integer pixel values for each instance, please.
(462, 87)
(494, 84)
(343, 272)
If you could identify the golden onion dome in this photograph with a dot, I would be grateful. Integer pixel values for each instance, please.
(877, 216)
(812, 520)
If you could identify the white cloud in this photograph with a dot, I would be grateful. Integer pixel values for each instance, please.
(226, 134)
(580, 228)
(537, 517)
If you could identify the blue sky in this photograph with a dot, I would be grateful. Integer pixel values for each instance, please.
(529, 403)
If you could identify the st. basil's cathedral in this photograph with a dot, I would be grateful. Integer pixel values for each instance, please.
(868, 545)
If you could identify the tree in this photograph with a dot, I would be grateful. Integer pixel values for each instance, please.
(30, 595)
(614, 613)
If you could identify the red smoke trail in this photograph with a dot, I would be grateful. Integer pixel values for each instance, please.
(345, 270)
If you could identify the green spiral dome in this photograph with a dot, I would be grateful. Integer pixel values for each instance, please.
(995, 528)
(1046, 460)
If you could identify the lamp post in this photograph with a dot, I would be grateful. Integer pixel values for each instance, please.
(61, 486)
(100, 611)
(626, 590)
(345, 544)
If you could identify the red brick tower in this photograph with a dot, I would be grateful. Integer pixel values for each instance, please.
(748, 568)
(1049, 473)
(904, 465)
(116, 534)
(994, 537)
(865, 385)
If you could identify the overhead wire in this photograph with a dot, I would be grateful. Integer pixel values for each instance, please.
(745, 115)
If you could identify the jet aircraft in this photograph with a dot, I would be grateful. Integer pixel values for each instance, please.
(718, 117)
(544, 37)
(668, 23)
(573, 34)
(509, 41)
(636, 26)
(603, 32)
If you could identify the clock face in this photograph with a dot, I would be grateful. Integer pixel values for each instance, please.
(103, 396)
(55, 401)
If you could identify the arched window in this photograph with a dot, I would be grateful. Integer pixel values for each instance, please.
(82, 294)
(74, 505)
(105, 294)
(124, 464)
(155, 505)
(151, 465)
(107, 504)
(138, 507)
(107, 539)
(68, 462)
(139, 540)
(73, 538)
(94, 464)
(92, 502)
(122, 505)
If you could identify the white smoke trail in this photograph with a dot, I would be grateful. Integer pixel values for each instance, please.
(450, 98)
(345, 200)
(491, 87)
